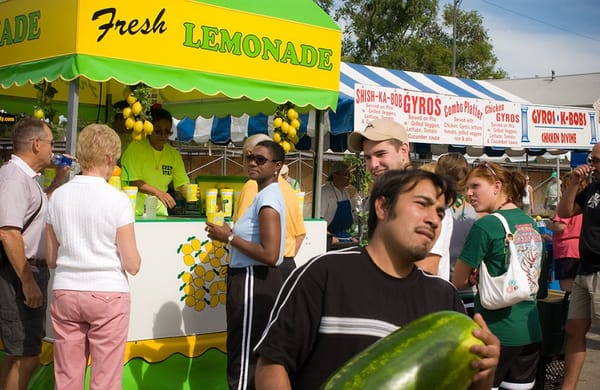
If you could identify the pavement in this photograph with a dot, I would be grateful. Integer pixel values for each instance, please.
(590, 374)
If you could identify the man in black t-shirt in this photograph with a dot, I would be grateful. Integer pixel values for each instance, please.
(341, 302)
(584, 304)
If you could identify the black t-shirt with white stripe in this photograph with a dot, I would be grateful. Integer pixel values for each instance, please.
(338, 304)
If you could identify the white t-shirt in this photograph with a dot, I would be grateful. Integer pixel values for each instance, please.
(248, 228)
(85, 214)
(330, 196)
(442, 245)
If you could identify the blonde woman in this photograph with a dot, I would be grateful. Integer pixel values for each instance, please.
(91, 244)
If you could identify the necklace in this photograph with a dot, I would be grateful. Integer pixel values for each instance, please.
(504, 204)
(156, 153)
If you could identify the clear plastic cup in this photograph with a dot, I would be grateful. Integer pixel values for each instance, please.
(150, 206)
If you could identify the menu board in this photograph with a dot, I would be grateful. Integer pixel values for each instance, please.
(443, 119)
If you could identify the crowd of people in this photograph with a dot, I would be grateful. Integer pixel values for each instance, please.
(430, 233)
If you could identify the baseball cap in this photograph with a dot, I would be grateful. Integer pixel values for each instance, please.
(554, 174)
(377, 130)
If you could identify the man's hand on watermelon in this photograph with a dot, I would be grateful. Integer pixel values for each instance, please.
(489, 353)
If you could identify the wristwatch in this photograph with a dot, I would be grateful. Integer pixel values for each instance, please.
(230, 238)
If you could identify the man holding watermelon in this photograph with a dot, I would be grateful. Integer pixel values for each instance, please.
(341, 302)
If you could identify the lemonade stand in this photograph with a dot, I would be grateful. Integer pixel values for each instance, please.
(233, 57)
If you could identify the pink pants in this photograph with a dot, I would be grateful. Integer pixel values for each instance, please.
(89, 323)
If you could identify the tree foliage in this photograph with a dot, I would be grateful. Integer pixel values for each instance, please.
(408, 35)
(474, 52)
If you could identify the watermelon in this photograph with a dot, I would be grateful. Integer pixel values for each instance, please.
(431, 352)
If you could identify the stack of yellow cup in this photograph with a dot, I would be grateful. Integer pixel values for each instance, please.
(211, 200)
(227, 201)
(131, 192)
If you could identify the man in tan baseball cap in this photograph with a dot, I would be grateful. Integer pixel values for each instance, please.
(384, 143)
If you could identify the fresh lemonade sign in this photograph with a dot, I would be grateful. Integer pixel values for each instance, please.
(184, 34)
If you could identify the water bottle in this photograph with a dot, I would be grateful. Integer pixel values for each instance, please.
(61, 161)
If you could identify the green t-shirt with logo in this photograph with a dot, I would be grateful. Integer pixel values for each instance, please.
(518, 324)
(157, 168)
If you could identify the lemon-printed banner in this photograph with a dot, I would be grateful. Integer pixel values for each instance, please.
(203, 279)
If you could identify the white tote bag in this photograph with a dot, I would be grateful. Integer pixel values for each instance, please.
(497, 292)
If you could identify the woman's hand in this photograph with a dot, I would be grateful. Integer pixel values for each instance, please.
(474, 277)
(216, 232)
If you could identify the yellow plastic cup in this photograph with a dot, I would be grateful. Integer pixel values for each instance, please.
(49, 175)
(211, 200)
(131, 192)
(218, 218)
(227, 201)
(301, 201)
(191, 193)
(115, 181)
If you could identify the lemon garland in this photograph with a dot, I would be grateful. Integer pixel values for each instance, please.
(136, 117)
(44, 96)
(287, 123)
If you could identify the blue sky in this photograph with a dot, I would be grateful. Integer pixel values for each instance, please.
(533, 37)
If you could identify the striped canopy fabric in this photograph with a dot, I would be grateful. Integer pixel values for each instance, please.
(341, 121)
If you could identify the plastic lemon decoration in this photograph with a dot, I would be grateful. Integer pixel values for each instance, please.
(138, 126)
(148, 127)
(292, 114)
(137, 114)
(126, 112)
(131, 99)
(39, 114)
(136, 108)
(129, 122)
(287, 127)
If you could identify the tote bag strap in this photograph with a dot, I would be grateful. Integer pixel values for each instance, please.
(508, 238)
(504, 224)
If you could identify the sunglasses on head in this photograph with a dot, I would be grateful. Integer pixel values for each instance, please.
(258, 159)
(488, 166)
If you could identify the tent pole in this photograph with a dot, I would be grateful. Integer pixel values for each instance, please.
(72, 114)
(318, 166)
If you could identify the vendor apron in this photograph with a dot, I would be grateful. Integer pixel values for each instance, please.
(342, 220)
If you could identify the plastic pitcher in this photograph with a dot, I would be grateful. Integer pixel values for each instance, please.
(191, 193)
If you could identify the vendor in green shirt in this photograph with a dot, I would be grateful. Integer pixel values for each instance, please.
(152, 164)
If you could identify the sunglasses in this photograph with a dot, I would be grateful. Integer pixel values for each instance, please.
(593, 160)
(162, 132)
(49, 141)
(258, 159)
(488, 166)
